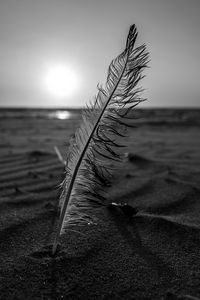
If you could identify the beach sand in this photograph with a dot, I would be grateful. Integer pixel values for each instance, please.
(155, 254)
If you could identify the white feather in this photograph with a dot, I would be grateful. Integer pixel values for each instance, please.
(94, 143)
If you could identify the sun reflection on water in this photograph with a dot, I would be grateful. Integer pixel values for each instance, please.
(60, 114)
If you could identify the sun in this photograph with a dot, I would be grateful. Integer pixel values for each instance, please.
(61, 81)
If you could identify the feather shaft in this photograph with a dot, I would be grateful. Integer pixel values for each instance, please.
(77, 168)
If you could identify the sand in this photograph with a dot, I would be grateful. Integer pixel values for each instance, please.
(155, 254)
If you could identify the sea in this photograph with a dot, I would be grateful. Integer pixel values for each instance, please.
(143, 117)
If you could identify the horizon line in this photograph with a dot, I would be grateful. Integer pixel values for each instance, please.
(83, 107)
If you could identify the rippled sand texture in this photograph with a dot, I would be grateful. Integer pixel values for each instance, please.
(153, 255)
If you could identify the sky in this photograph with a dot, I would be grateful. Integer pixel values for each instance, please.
(84, 36)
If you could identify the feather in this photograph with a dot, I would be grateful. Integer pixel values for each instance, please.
(95, 141)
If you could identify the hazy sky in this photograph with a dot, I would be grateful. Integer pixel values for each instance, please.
(85, 35)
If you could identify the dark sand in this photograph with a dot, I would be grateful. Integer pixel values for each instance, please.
(153, 255)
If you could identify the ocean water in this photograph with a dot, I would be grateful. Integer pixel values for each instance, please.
(143, 117)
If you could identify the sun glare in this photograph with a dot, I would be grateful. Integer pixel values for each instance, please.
(61, 81)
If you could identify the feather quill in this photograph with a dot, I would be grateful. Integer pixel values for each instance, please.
(94, 143)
